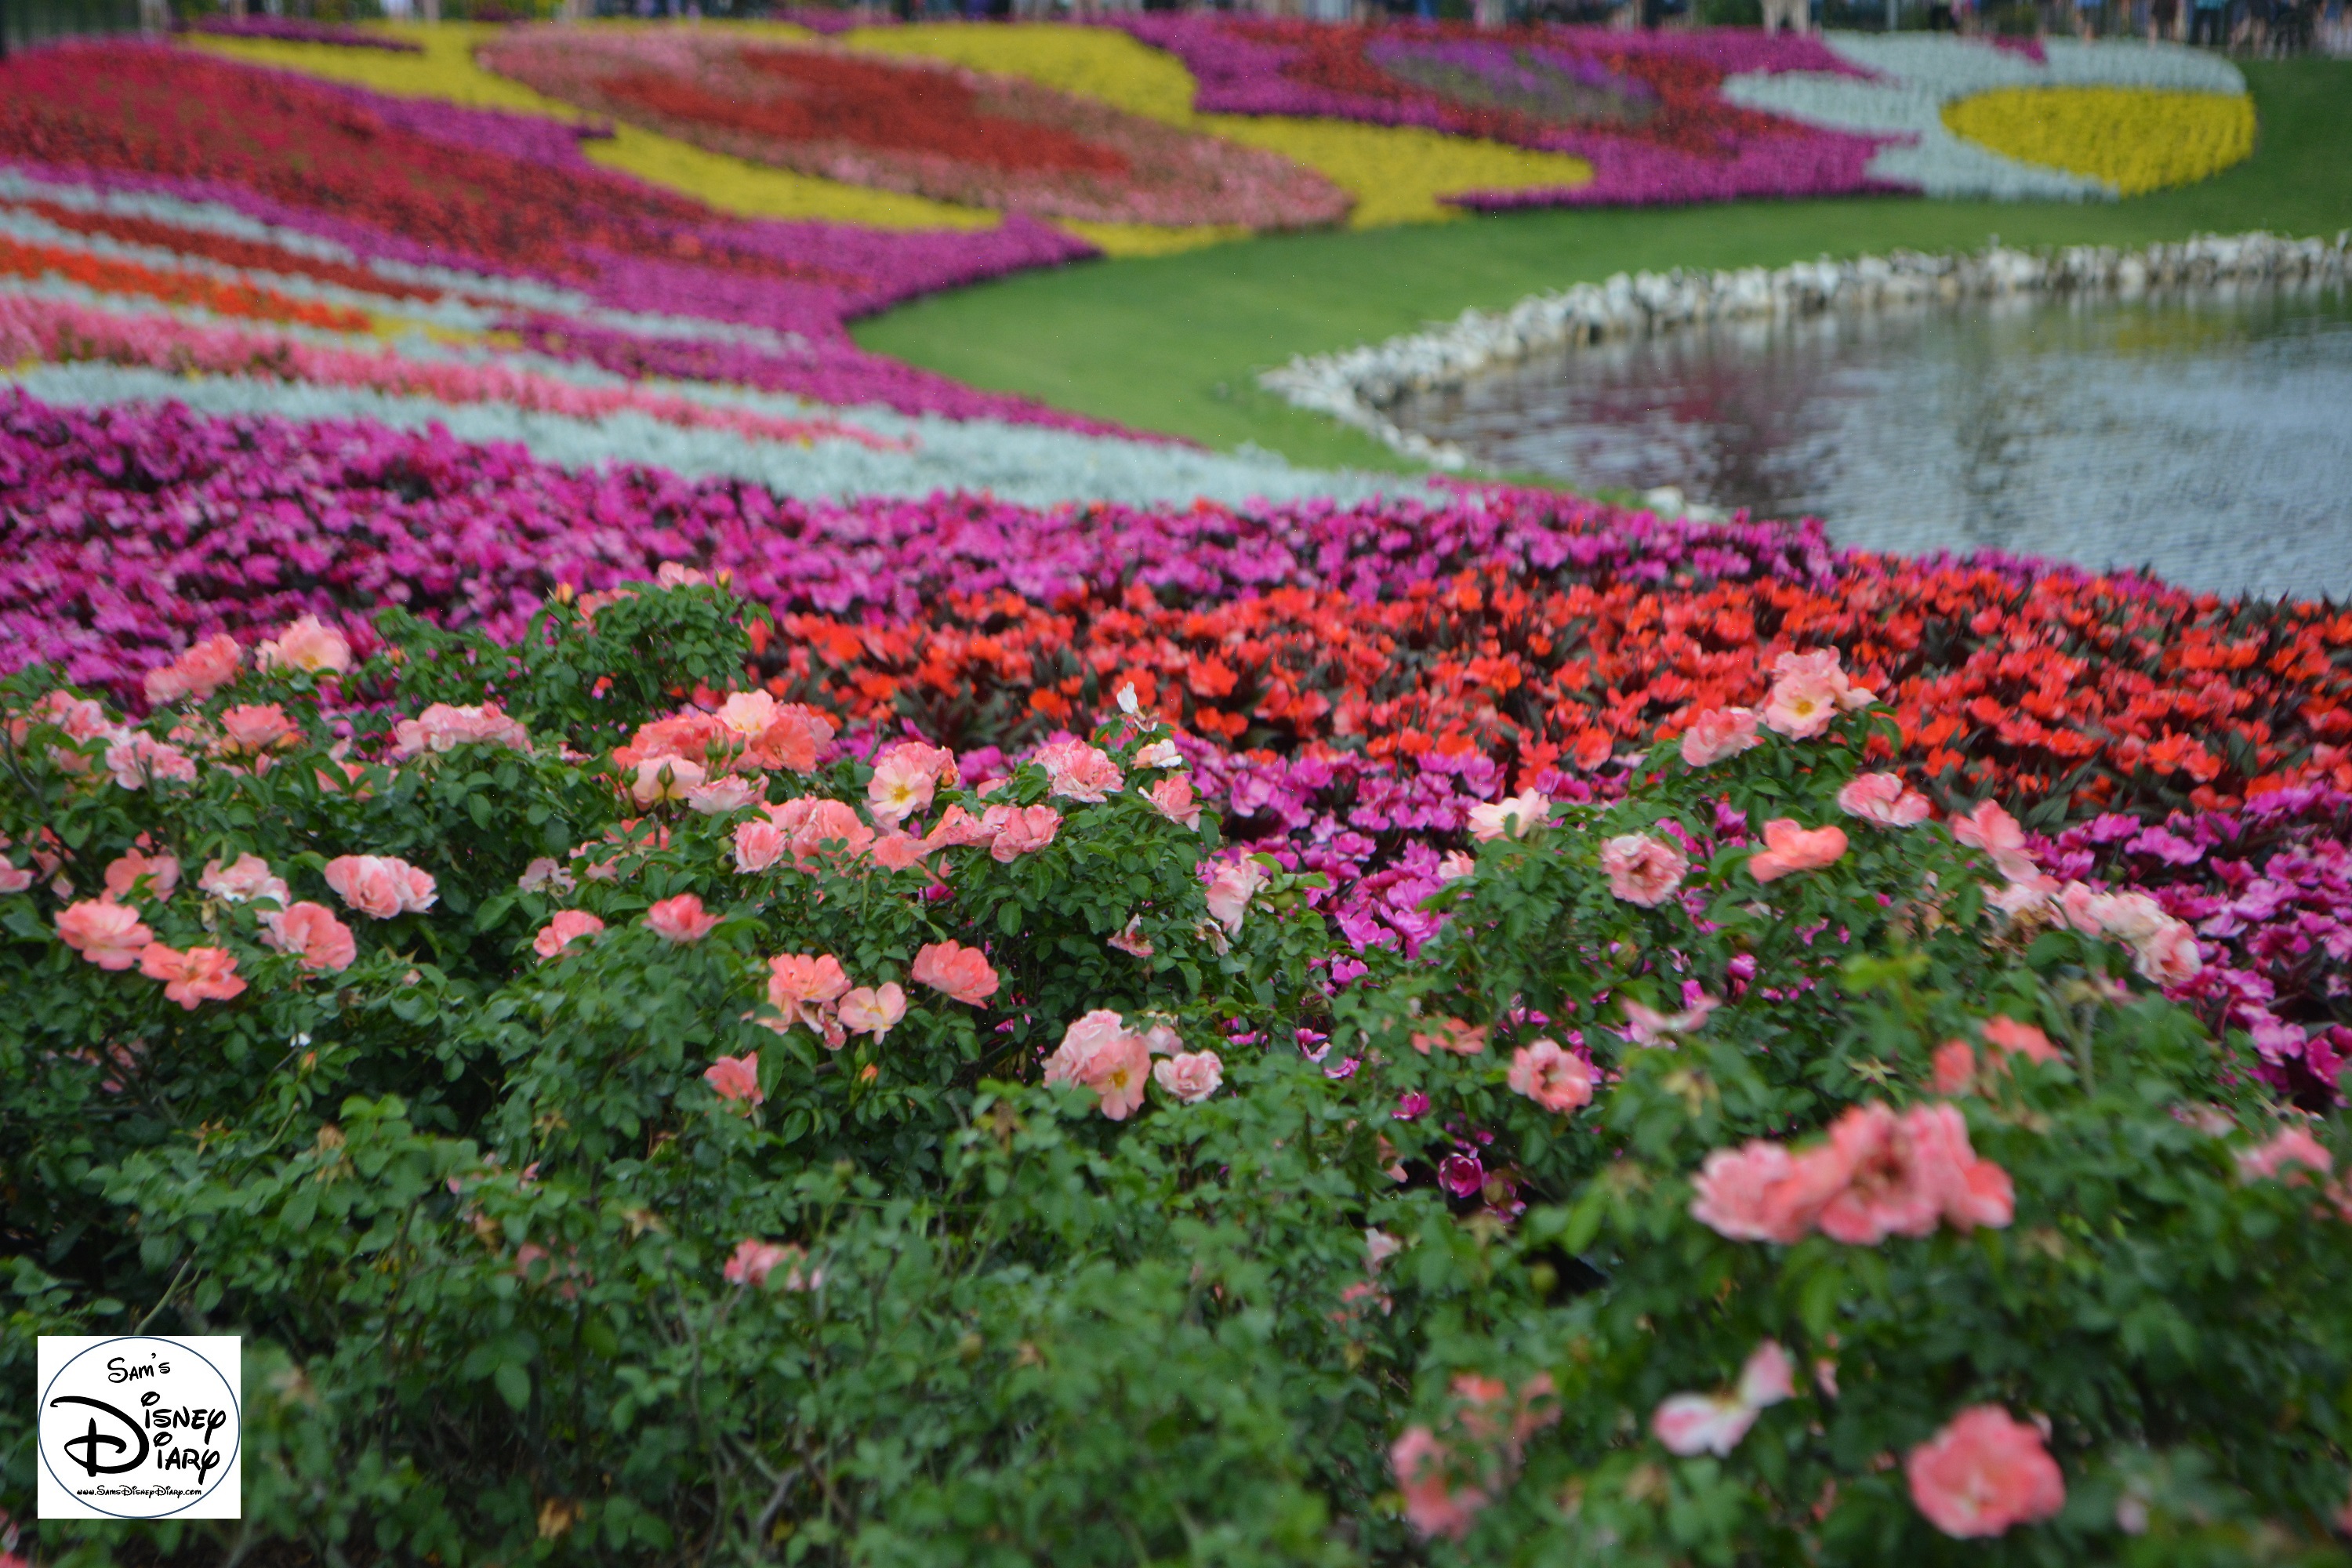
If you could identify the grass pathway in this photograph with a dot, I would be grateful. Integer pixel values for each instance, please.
(1173, 342)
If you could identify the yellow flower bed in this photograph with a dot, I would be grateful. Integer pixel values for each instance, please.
(446, 70)
(2135, 139)
(1395, 173)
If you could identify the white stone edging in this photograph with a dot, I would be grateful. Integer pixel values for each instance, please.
(1357, 386)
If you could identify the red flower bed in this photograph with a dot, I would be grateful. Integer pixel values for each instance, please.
(115, 277)
(2070, 692)
(927, 129)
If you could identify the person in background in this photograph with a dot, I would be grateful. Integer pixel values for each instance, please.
(1791, 11)
(2163, 21)
(2205, 23)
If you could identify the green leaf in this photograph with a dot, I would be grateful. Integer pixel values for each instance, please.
(513, 1381)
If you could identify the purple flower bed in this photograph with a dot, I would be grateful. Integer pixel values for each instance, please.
(294, 30)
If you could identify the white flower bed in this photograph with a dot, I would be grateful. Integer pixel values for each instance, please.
(1357, 386)
(1918, 74)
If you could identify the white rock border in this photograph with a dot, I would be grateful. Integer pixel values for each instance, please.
(1356, 386)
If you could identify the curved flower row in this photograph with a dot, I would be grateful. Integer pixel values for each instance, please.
(984, 141)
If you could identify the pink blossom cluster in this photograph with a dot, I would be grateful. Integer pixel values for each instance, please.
(1104, 1054)
(1879, 1173)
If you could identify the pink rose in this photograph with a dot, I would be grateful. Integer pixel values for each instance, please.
(139, 760)
(1515, 817)
(1130, 938)
(660, 779)
(255, 727)
(1690, 1424)
(896, 851)
(759, 844)
(905, 777)
(1159, 755)
(1801, 707)
(2008, 1037)
(1994, 831)
(1717, 733)
(1172, 798)
(103, 933)
(1190, 1076)
(802, 985)
(681, 919)
(13, 878)
(719, 796)
(442, 727)
(1790, 847)
(1555, 1079)
(1642, 869)
(736, 1078)
(955, 828)
(1452, 1036)
(1079, 772)
(873, 1010)
(567, 926)
(1016, 831)
(821, 830)
(1905, 1174)
(1955, 1066)
(379, 885)
(1455, 865)
(756, 1261)
(1648, 1026)
(306, 645)
(1882, 798)
(1098, 1053)
(310, 933)
(2169, 957)
(159, 873)
(1435, 1502)
(198, 975)
(2292, 1147)
(247, 881)
(1760, 1193)
(199, 672)
(1983, 1473)
(1230, 891)
(963, 972)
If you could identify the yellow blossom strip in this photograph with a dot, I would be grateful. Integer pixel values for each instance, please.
(2135, 139)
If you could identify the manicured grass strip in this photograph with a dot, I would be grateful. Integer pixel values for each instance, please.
(1173, 342)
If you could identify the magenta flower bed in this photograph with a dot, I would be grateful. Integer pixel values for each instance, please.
(338, 517)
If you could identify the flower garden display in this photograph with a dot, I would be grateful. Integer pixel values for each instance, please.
(936, 130)
(649, 1108)
(714, 951)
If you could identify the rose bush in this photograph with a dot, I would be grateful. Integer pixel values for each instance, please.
(629, 1115)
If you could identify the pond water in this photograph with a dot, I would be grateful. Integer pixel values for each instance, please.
(2206, 436)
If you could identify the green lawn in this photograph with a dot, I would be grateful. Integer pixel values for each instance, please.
(1173, 344)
